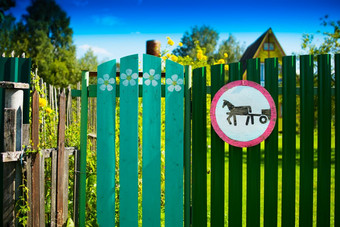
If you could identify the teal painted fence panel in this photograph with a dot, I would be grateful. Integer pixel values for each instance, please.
(106, 160)
(128, 163)
(174, 95)
(151, 140)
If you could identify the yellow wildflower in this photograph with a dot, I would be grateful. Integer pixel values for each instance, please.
(173, 58)
(199, 56)
(180, 44)
(49, 110)
(164, 58)
(205, 58)
(221, 61)
(170, 42)
(225, 55)
(42, 102)
(226, 67)
(199, 51)
(168, 55)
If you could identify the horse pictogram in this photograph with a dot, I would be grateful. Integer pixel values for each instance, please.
(245, 111)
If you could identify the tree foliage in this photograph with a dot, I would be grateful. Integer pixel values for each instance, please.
(207, 38)
(330, 42)
(232, 47)
(44, 34)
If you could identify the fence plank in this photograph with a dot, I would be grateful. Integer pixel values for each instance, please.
(271, 149)
(253, 160)
(324, 140)
(235, 167)
(76, 187)
(129, 141)
(199, 148)
(62, 183)
(106, 159)
(54, 188)
(83, 147)
(37, 207)
(151, 144)
(174, 123)
(187, 146)
(217, 156)
(337, 141)
(306, 140)
(9, 168)
(288, 141)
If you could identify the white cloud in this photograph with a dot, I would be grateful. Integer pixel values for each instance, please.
(98, 51)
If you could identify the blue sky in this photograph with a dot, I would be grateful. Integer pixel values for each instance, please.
(116, 28)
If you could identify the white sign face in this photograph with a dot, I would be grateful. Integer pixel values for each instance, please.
(243, 113)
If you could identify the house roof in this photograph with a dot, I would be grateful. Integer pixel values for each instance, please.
(253, 48)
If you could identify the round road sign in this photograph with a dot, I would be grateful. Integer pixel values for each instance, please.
(243, 113)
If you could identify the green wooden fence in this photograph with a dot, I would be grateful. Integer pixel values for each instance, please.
(293, 178)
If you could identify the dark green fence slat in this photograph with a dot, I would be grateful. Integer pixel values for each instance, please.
(83, 147)
(128, 153)
(253, 160)
(187, 145)
(324, 140)
(306, 140)
(288, 143)
(337, 141)
(24, 76)
(199, 148)
(271, 149)
(217, 157)
(235, 167)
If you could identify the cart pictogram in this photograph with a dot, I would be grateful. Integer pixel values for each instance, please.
(264, 116)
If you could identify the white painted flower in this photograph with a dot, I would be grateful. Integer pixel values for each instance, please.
(151, 78)
(174, 83)
(106, 82)
(129, 78)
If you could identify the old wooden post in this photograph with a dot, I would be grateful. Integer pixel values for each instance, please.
(12, 149)
(153, 47)
(62, 176)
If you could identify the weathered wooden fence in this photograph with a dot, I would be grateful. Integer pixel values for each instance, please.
(21, 169)
(270, 185)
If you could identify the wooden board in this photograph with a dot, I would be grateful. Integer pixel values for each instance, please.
(174, 144)
(128, 164)
(106, 107)
(151, 140)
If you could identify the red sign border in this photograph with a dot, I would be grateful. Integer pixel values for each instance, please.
(218, 130)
